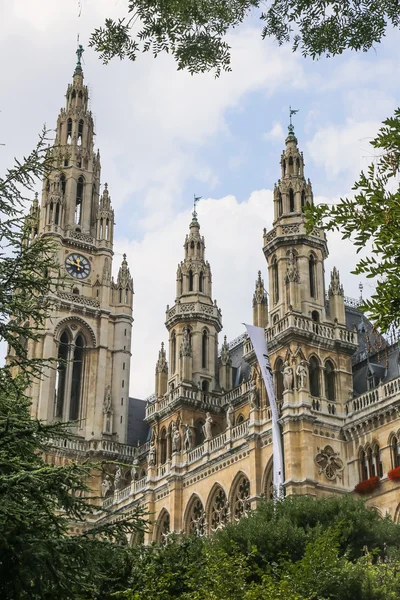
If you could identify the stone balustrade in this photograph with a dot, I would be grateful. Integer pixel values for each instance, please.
(196, 454)
(217, 442)
(376, 397)
(156, 405)
(330, 332)
(96, 446)
(240, 430)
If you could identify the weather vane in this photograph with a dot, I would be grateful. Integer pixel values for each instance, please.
(195, 201)
(292, 111)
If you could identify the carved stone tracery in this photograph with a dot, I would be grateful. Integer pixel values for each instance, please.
(329, 463)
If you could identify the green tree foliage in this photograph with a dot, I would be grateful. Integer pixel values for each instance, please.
(303, 549)
(372, 217)
(195, 31)
(40, 502)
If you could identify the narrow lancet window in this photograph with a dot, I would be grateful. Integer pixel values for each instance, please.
(79, 200)
(76, 383)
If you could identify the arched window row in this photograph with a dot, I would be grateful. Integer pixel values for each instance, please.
(163, 527)
(69, 377)
(370, 462)
(220, 508)
(195, 282)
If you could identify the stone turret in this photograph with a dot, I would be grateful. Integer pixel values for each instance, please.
(161, 373)
(260, 304)
(195, 320)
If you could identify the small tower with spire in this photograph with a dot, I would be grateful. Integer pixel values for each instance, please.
(105, 220)
(260, 304)
(336, 298)
(161, 373)
(195, 320)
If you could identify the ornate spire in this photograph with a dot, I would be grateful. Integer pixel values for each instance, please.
(124, 279)
(335, 287)
(259, 296)
(225, 354)
(162, 365)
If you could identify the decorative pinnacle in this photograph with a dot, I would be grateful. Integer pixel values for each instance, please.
(80, 50)
(361, 287)
(124, 259)
(292, 112)
(194, 213)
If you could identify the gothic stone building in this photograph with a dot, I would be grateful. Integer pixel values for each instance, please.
(198, 452)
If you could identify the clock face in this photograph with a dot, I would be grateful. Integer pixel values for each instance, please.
(77, 265)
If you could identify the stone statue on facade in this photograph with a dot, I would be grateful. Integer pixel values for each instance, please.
(186, 349)
(118, 478)
(176, 438)
(302, 373)
(152, 454)
(207, 427)
(287, 376)
(188, 438)
(230, 416)
(106, 486)
(134, 469)
(291, 268)
(107, 405)
(254, 394)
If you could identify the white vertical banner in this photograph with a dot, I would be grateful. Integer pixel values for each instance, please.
(257, 337)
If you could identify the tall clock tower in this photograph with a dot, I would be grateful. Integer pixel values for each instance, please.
(88, 331)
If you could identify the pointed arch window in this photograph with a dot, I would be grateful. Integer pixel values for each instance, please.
(69, 131)
(190, 280)
(201, 280)
(196, 522)
(395, 447)
(163, 446)
(279, 379)
(280, 205)
(290, 165)
(198, 432)
(275, 280)
(377, 459)
(63, 184)
(57, 215)
(51, 210)
(63, 350)
(330, 383)
(163, 528)
(311, 275)
(218, 516)
(79, 200)
(298, 166)
(315, 389)
(284, 167)
(303, 199)
(80, 132)
(291, 200)
(69, 377)
(204, 349)
(241, 499)
(363, 466)
(173, 352)
(76, 384)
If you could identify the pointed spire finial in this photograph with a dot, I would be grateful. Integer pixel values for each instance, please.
(292, 112)
(194, 213)
(361, 287)
(124, 258)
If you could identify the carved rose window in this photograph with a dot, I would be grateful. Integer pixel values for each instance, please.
(329, 463)
(219, 510)
(241, 503)
(197, 519)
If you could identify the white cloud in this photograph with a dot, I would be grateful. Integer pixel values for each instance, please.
(275, 133)
(343, 148)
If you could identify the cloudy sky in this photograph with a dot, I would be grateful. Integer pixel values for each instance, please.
(165, 135)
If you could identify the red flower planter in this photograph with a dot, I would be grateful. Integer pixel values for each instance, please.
(394, 474)
(367, 486)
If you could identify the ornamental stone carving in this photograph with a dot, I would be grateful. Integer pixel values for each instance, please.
(335, 287)
(287, 376)
(329, 463)
(292, 274)
(302, 373)
(175, 438)
(186, 349)
(207, 427)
